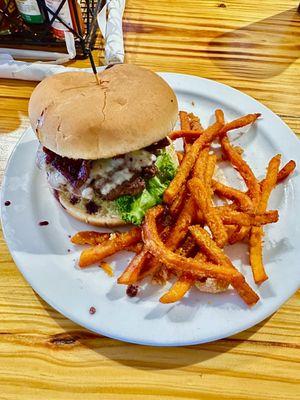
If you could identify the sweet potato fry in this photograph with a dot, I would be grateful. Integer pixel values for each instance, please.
(220, 116)
(179, 230)
(177, 203)
(200, 164)
(180, 156)
(182, 264)
(200, 256)
(189, 160)
(204, 202)
(242, 218)
(184, 120)
(255, 252)
(269, 183)
(198, 171)
(186, 146)
(222, 209)
(236, 195)
(217, 255)
(90, 237)
(226, 208)
(209, 172)
(217, 228)
(131, 274)
(150, 268)
(135, 248)
(189, 131)
(283, 173)
(195, 123)
(235, 124)
(179, 289)
(188, 246)
(243, 168)
(231, 229)
(240, 233)
(107, 268)
(256, 233)
(237, 233)
(185, 123)
(286, 171)
(143, 264)
(199, 218)
(240, 122)
(188, 134)
(93, 238)
(109, 247)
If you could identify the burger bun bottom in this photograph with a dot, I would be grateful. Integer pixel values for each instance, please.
(98, 219)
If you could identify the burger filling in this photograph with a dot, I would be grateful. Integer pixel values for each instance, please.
(124, 186)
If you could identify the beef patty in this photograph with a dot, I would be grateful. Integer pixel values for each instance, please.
(132, 187)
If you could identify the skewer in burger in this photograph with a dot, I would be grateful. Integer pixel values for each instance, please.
(104, 147)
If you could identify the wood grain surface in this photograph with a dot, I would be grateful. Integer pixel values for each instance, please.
(253, 46)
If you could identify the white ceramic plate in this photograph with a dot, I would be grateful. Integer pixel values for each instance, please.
(41, 252)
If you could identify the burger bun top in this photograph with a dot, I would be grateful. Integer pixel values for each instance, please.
(76, 118)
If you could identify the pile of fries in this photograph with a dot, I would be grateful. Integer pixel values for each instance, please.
(185, 236)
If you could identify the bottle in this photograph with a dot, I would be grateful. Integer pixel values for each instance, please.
(30, 11)
(67, 14)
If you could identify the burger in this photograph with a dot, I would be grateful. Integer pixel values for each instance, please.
(104, 147)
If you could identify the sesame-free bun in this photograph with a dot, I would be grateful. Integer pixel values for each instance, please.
(101, 218)
(75, 117)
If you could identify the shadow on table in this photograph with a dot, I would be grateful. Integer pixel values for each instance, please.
(166, 358)
(259, 50)
(137, 356)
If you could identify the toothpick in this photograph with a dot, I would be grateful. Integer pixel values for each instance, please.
(97, 79)
(94, 68)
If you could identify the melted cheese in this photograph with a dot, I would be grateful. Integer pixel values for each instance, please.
(107, 173)
(112, 172)
(117, 179)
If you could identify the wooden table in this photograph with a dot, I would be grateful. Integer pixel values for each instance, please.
(252, 46)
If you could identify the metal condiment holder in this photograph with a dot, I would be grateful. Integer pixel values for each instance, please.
(23, 37)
